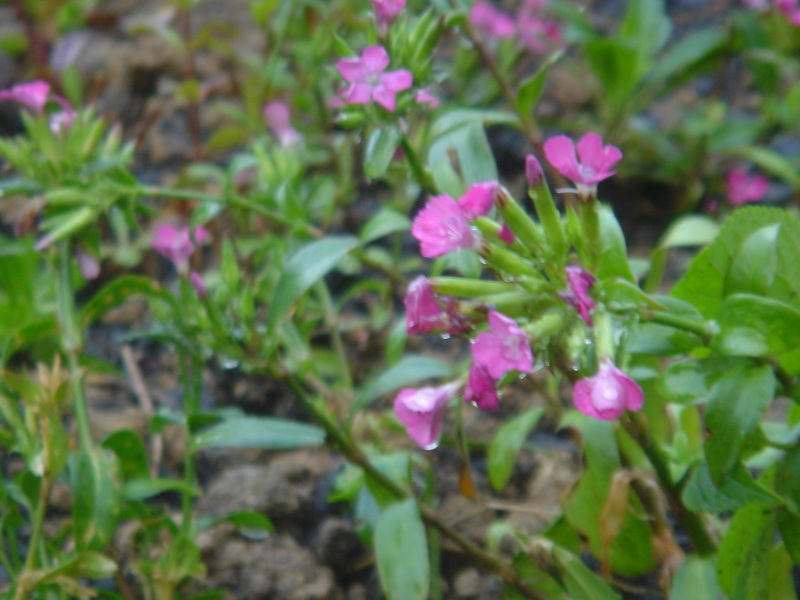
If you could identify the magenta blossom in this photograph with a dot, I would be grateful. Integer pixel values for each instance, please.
(478, 200)
(480, 389)
(34, 95)
(491, 22)
(744, 188)
(423, 311)
(369, 81)
(442, 227)
(790, 9)
(424, 96)
(506, 234)
(199, 284)
(504, 348)
(386, 11)
(276, 114)
(177, 245)
(576, 295)
(608, 394)
(422, 412)
(596, 160)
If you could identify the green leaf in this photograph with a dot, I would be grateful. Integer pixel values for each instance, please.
(686, 382)
(306, 267)
(146, 487)
(690, 230)
(130, 451)
(737, 402)
(94, 565)
(96, 498)
(695, 47)
(613, 253)
(379, 149)
(753, 268)
(531, 89)
(245, 519)
(701, 494)
(119, 291)
(706, 282)
(756, 326)
(614, 64)
(773, 163)
(411, 369)
(258, 432)
(645, 28)
(787, 484)
(744, 555)
(507, 443)
(579, 581)
(402, 552)
(385, 222)
(696, 579)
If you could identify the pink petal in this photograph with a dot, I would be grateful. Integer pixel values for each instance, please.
(375, 58)
(478, 200)
(385, 98)
(442, 227)
(397, 81)
(480, 389)
(422, 412)
(359, 93)
(353, 70)
(423, 311)
(560, 152)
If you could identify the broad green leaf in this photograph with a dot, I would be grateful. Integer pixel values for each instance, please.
(690, 230)
(701, 494)
(613, 253)
(411, 369)
(787, 484)
(695, 47)
(395, 466)
(130, 451)
(306, 267)
(146, 487)
(402, 552)
(737, 402)
(756, 326)
(96, 498)
(119, 291)
(385, 222)
(754, 266)
(743, 564)
(379, 149)
(507, 443)
(705, 283)
(258, 432)
(696, 579)
(686, 382)
(661, 340)
(579, 581)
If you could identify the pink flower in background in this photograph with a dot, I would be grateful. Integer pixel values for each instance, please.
(424, 96)
(596, 160)
(790, 9)
(422, 412)
(608, 394)
(369, 80)
(744, 188)
(176, 244)
(88, 264)
(199, 285)
(442, 227)
(386, 11)
(478, 200)
(34, 94)
(577, 294)
(491, 22)
(480, 389)
(503, 348)
(276, 113)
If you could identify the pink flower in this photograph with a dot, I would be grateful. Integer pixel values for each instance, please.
(506, 234)
(596, 160)
(386, 11)
(423, 311)
(478, 200)
(442, 227)
(744, 188)
(62, 120)
(480, 389)
(33, 94)
(199, 285)
(491, 22)
(368, 81)
(577, 294)
(88, 264)
(504, 348)
(276, 113)
(422, 412)
(608, 394)
(176, 244)
(790, 9)
(424, 96)
(537, 34)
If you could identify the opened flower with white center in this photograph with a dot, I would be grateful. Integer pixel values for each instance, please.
(369, 80)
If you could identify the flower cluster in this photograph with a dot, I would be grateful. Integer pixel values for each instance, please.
(534, 32)
(177, 245)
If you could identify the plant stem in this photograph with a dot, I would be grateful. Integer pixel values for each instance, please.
(191, 406)
(27, 580)
(353, 453)
(703, 329)
(421, 174)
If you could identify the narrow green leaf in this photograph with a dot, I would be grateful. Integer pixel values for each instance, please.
(385, 222)
(304, 269)
(145, 487)
(693, 48)
(402, 552)
(506, 444)
(579, 581)
(379, 149)
(613, 252)
(258, 432)
(531, 89)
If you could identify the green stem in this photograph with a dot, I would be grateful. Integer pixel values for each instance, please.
(191, 406)
(703, 329)
(354, 454)
(421, 174)
(590, 219)
(27, 581)
(332, 322)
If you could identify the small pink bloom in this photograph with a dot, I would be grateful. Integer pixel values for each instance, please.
(62, 120)
(276, 113)
(491, 22)
(423, 311)
(424, 96)
(506, 234)
(386, 11)
(198, 284)
(534, 174)
(33, 94)
(88, 264)
(608, 394)
(790, 9)
(537, 34)
(504, 348)
(369, 82)
(422, 412)
(596, 160)
(577, 294)
(480, 389)
(442, 227)
(176, 245)
(478, 200)
(744, 188)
